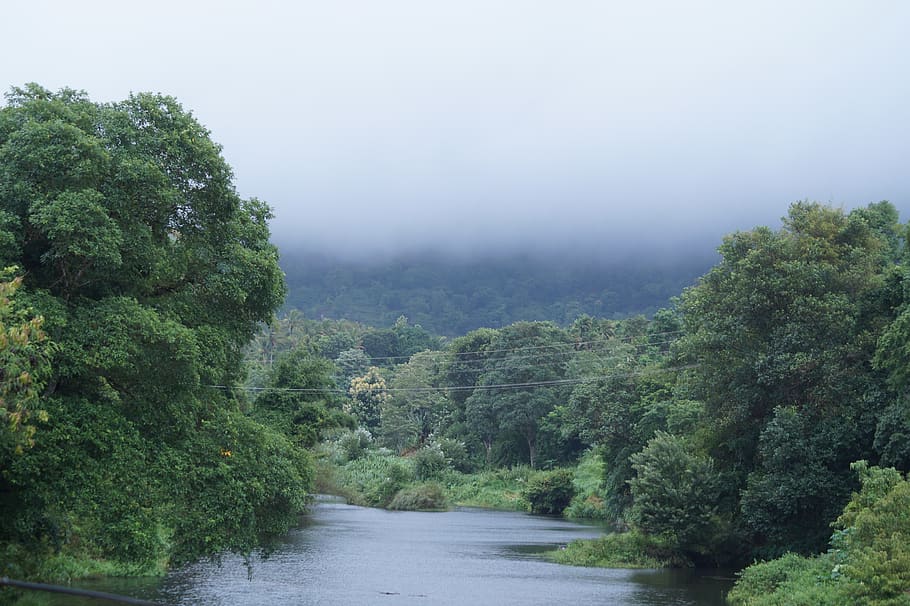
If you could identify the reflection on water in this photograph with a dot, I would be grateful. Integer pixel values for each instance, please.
(353, 555)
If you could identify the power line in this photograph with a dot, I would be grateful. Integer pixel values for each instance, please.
(571, 346)
(519, 385)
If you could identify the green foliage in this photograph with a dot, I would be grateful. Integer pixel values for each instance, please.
(531, 354)
(550, 492)
(24, 366)
(354, 443)
(151, 274)
(495, 489)
(368, 397)
(414, 410)
(874, 542)
(299, 399)
(784, 320)
(429, 462)
(869, 562)
(351, 363)
(419, 497)
(374, 479)
(675, 494)
(782, 335)
(588, 501)
(631, 549)
(802, 483)
(456, 454)
(791, 580)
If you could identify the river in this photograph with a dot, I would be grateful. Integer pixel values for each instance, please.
(350, 555)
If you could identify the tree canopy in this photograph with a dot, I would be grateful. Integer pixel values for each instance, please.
(150, 275)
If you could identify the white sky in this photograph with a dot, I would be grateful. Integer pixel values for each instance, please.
(397, 124)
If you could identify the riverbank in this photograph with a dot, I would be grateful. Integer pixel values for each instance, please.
(619, 550)
(379, 478)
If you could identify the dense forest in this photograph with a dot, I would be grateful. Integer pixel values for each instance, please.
(451, 296)
(155, 410)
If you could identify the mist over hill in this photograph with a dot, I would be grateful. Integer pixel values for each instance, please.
(451, 295)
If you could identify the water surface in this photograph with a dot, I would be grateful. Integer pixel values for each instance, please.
(353, 555)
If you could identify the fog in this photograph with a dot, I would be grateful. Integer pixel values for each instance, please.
(471, 127)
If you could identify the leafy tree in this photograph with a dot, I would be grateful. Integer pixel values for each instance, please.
(299, 399)
(790, 319)
(528, 360)
(412, 338)
(675, 494)
(152, 275)
(368, 397)
(351, 363)
(802, 481)
(415, 409)
(24, 365)
(466, 358)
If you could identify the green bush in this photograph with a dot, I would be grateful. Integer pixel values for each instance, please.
(496, 489)
(620, 550)
(354, 443)
(419, 497)
(429, 462)
(374, 479)
(550, 492)
(675, 494)
(873, 546)
(588, 502)
(586, 507)
(791, 580)
(869, 562)
(456, 454)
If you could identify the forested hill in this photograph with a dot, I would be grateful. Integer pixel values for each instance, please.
(452, 297)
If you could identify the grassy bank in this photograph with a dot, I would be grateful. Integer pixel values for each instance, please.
(619, 550)
(350, 468)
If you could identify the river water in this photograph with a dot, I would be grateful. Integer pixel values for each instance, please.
(350, 555)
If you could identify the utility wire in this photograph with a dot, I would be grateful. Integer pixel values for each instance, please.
(571, 345)
(568, 347)
(520, 385)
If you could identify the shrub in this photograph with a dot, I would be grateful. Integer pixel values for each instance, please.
(456, 454)
(675, 494)
(373, 479)
(496, 489)
(419, 497)
(589, 507)
(429, 462)
(588, 501)
(550, 492)
(874, 543)
(791, 580)
(354, 443)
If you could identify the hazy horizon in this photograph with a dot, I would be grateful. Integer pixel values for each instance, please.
(376, 129)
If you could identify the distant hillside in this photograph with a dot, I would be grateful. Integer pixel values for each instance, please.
(451, 297)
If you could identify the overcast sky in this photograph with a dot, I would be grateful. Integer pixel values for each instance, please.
(382, 125)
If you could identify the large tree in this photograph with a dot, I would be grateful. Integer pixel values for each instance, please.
(519, 381)
(782, 332)
(152, 274)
